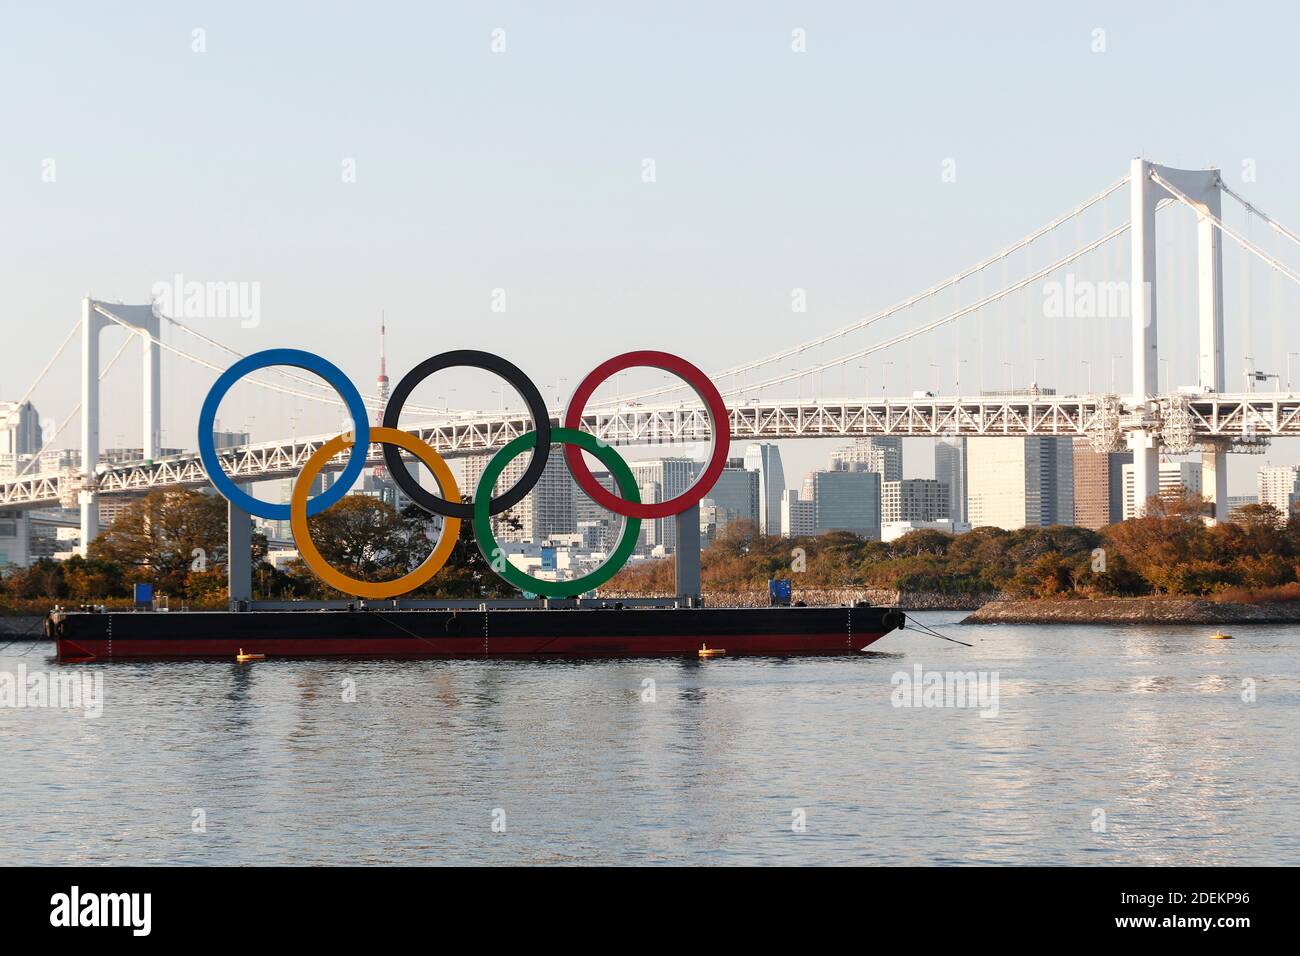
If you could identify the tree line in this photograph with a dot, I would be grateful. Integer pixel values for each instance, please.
(1169, 550)
(175, 539)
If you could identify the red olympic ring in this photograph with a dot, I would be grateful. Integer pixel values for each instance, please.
(708, 394)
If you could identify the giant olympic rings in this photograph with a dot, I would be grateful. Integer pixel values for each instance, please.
(448, 505)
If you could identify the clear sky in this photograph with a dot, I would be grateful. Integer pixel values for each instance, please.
(522, 170)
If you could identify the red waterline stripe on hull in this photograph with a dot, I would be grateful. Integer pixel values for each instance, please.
(613, 645)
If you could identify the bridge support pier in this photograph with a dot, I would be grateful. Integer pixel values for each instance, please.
(1214, 481)
(686, 560)
(239, 556)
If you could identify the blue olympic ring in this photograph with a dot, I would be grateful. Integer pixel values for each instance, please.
(308, 362)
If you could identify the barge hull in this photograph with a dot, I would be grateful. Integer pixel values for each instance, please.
(651, 632)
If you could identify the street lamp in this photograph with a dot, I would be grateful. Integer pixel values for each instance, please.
(884, 371)
(1288, 369)
(1008, 365)
(1087, 365)
(1036, 361)
(936, 377)
(960, 363)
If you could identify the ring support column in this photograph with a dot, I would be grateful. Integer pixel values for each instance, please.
(686, 559)
(239, 556)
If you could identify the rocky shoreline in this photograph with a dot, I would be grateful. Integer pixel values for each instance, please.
(1141, 610)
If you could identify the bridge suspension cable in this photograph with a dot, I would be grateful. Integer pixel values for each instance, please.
(857, 326)
(1226, 229)
(1272, 223)
(936, 323)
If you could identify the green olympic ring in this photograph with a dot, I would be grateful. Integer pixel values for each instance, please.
(487, 542)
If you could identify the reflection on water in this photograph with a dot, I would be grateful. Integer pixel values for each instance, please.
(1147, 725)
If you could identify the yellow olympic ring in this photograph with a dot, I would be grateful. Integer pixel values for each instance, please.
(373, 589)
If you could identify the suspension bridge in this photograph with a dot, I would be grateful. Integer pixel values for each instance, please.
(1200, 416)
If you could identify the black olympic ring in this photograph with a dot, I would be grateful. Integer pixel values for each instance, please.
(536, 409)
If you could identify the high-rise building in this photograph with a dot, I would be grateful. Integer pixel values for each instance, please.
(798, 519)
(1098, 485)
(1279, 486)
(914, 499)
(1016, 487)
(661, 479)
(846, 501)
(765, 458)
(735, 496)
(1176, 478)
(20, 429)
(593, 521)
(950, 470)
(1020, 482)
(884, 456)
(545, 511)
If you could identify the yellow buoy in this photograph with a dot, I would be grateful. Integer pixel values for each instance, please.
(243, 658)
(706, 651)
(1220, 636)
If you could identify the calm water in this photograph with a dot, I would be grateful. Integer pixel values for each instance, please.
(1145, 725)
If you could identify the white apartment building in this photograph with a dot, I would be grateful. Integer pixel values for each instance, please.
(1279, 486)
(914, 499)
(798, 516)
(1176, 478)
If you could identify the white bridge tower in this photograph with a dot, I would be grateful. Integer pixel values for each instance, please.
(1203, 188)
(95, 316)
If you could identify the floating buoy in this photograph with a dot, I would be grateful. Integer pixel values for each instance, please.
(242, 658)
(1220, 636)
(706, 651)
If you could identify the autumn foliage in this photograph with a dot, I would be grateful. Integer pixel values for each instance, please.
(1170, 550)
